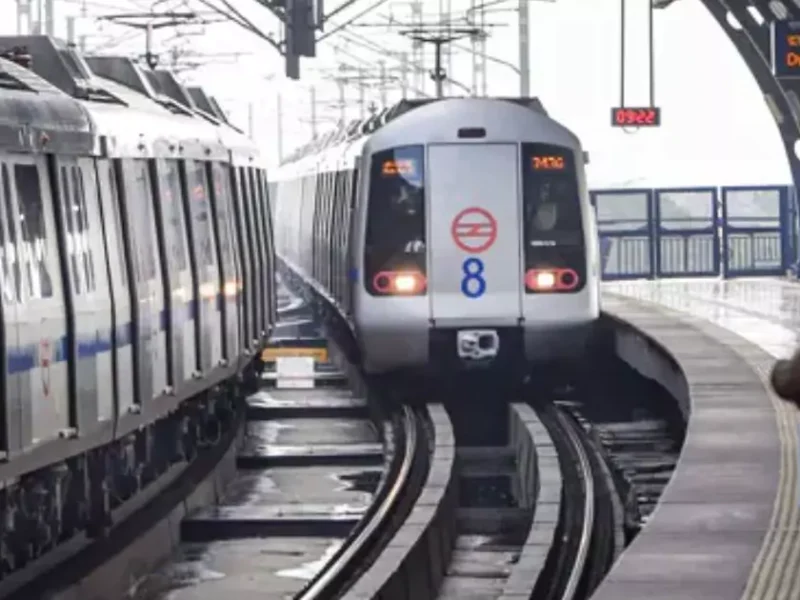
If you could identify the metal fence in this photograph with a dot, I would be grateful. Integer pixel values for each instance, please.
(696, 232)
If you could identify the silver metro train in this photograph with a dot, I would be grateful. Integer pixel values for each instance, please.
(137, 259)
(441, 234)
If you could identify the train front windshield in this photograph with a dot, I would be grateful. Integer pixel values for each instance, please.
(395, 233)
(553, 227)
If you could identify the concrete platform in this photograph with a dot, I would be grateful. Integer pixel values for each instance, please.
(728, 524)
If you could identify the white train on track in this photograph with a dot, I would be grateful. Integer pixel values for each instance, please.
(441, 234)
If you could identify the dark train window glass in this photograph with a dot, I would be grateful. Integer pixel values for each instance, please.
(395, 232)
(199, 209)
(81, 216)
(170, 189)
(222, 186)
(140, 206)
(12, 281)
(117, 233)
(73, 245)
(5, 251)
(33, 230)
(551, 196)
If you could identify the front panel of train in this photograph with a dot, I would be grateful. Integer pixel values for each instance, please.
(560, 304)
(475, 255)
(391, 300)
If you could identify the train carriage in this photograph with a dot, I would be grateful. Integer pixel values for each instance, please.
(137, 256)
(468, 232)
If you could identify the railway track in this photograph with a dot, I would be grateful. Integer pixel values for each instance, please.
(340, 497)
(541, 517)
(322, 473)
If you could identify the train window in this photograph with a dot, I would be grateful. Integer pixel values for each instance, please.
(11, 269)
(4, 251)
(115, 209)
(395, 232)
(81, 216)
(140, 206)
(33, 230)
(199, 208)
(72, 231)
(551, 195)
(222, 186)
(170, 188)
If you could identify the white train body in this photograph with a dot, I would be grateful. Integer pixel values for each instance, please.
(461, 234)
(136, 257)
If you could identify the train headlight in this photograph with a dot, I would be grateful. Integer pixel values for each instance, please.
(399, 283)
(551, 280)
(545, 280)
(404, 283)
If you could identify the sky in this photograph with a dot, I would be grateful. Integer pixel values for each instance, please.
(716, 128)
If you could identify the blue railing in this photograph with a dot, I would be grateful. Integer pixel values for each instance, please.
(731, 231)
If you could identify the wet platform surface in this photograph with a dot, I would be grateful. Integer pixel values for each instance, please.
(728, 525)
(268, 569)
(277, 525)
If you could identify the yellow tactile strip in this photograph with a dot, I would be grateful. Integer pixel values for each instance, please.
(775, 574)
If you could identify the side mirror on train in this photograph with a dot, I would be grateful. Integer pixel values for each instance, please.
(586, 158)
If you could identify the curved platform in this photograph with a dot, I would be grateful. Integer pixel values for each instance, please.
(728, 524)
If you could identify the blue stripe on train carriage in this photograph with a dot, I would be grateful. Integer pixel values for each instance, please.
(687, 237)
(756, 230)
(22, 359)
(625, 228)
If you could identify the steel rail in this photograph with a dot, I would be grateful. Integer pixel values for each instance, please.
(331, 580)
(587, 475)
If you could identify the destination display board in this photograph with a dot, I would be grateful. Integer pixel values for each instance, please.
(786, 49)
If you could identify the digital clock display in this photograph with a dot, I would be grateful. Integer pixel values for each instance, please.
(648, 116)
(400, 166)
(547, 162)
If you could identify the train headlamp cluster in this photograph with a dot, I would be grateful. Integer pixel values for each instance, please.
(399, 283)
(551, 280)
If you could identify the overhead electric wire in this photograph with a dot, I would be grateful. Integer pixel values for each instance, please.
(350, 21)
(239, 19)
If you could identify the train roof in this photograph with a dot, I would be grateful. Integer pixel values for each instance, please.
(102, 89)
(36, 116)
(371, 124)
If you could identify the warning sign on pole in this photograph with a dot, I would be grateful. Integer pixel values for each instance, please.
(474, 230)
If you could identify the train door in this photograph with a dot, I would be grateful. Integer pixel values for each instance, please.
(228, 259)
(207, 274)
(42, 313)
(474, 230)
(180, 292)
(85, 280)
(246, 250)
(118, 274)
(11, 352)
(147, 291)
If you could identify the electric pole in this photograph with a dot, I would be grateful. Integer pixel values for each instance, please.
(524, 50)
(439, 39)
(149, 22)
(312, 92)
